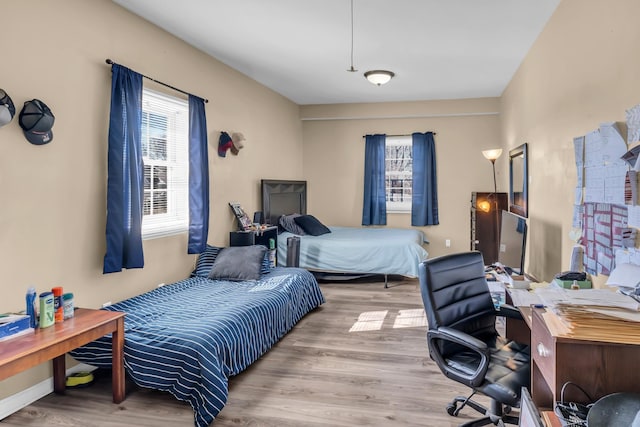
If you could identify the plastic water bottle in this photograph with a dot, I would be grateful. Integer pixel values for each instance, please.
(31, 307)
(272, 253)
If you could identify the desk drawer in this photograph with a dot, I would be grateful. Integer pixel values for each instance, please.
(543, 349)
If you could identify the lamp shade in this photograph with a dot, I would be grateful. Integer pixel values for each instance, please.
(379, 77)
(492, 154)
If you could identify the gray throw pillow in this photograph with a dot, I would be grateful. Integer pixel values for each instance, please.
(238, 263)
(207, 258)
(287, 222)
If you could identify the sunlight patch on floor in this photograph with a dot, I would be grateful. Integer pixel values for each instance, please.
(373, 320)
(413, 318)
(369, 321)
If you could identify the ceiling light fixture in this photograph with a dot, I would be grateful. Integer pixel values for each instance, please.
(379, 77)
(351, 69)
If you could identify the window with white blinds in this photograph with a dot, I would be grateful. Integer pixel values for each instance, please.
(398, 173)
(165, 153)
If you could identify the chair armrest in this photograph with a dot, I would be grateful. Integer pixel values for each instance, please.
(462, 338)
(458, 337)
(507, 310)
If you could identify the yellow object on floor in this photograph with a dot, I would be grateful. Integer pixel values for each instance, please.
(79, 379)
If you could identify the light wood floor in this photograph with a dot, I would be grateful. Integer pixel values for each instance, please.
(320, 374)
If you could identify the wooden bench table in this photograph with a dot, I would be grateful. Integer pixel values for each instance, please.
(52, 343)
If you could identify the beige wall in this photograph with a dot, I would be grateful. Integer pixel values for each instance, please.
(334, 159)
(581, 71)
(53, 197)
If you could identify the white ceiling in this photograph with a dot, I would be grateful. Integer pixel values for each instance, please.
(439, 49)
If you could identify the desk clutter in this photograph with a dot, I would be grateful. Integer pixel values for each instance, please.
(580, 336)
(42, 311)
(615, 409)
(584, 314)
(13, 325)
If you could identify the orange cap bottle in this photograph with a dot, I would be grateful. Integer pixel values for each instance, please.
(58, 308)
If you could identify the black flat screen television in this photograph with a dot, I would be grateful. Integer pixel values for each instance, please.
(513, 241)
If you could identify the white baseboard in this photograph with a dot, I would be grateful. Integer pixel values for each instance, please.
(26, 397)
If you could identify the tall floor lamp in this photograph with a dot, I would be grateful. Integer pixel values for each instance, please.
(493, 155)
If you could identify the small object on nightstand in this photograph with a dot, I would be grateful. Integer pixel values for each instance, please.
(244, 223)
(272, 253)
(266, 236)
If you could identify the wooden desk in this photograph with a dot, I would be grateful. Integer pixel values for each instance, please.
(519, 330)
(599, 368)
(52, 343)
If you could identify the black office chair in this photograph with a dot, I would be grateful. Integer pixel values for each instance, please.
(463, 340)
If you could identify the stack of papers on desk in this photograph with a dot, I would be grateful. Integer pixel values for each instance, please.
(553, 296)
(593, 314)
(524, 298)
(626, 277)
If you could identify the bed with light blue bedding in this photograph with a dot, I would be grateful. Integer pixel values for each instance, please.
(356, 250)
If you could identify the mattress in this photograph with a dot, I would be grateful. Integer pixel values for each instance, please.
(360, 251)
(190, 337)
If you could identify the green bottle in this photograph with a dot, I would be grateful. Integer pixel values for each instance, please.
(46, 309)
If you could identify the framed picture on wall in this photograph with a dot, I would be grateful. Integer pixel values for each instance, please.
(244, 222)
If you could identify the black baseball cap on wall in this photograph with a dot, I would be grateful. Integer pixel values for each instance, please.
(36, 121)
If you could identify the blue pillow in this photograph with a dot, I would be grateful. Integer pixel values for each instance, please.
(208, 257)
(311, 225)
(205, 261)
(265, 267)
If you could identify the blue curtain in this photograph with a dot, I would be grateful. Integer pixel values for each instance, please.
(126, 173)
(198, 177)
(424, 199)
(374, 207)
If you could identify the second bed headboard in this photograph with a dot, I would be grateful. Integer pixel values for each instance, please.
(282, 197)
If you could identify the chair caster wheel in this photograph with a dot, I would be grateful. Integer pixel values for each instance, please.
(451, 409)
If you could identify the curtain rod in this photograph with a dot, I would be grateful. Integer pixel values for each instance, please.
(405, 134)
(110, 62)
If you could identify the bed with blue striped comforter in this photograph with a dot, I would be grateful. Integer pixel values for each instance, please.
(189, 337)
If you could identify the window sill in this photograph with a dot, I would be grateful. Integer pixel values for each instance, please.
(158, 234)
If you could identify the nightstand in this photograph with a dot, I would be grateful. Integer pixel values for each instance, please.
(267, 237)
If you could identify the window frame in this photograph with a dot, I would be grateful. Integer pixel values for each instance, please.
(405, 205)
(176, 162)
